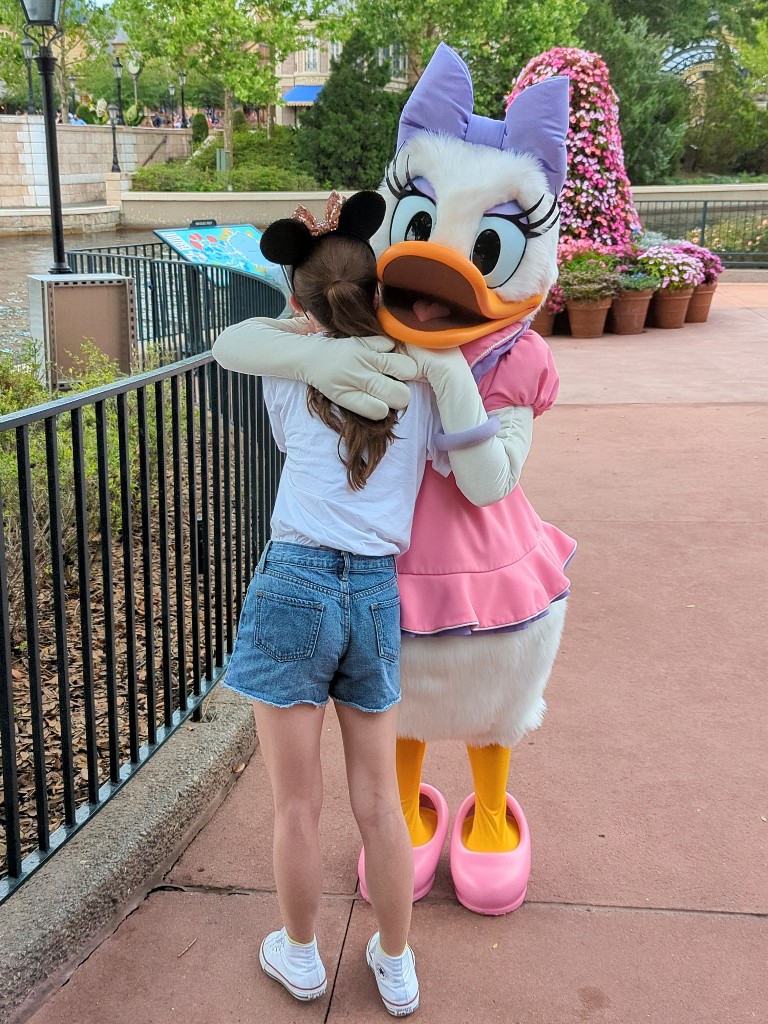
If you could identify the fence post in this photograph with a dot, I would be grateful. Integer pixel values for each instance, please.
(703, 232)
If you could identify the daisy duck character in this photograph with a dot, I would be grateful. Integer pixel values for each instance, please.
(467, 255)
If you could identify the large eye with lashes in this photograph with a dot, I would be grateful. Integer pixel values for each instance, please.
(498, 249)
(414, 220)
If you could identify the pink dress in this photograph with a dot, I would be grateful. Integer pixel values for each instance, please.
(470, 569)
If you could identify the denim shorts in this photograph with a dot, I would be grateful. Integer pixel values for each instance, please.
(319, 624)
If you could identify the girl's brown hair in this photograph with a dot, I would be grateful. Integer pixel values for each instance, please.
(337, 285)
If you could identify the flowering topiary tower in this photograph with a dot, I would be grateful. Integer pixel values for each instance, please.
(596, 201)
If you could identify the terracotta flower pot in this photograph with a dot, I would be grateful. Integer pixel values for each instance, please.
(628, 311)
(701, 300)
(668, 307)
(587, 319)
(543, 323)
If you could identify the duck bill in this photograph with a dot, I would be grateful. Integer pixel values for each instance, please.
(435, 298)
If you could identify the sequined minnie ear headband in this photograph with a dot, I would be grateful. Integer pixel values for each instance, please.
(291, 240)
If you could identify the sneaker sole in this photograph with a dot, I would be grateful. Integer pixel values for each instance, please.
(395, 1009)
(305, 995)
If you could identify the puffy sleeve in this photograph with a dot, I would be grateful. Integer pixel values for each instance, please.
(526, 375)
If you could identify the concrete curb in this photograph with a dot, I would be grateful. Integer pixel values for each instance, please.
(67, 908)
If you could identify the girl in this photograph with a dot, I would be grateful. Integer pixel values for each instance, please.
(321, 617)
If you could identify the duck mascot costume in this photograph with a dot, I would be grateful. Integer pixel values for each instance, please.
(467, 253)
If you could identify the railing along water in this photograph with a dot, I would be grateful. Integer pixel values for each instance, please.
(180, 307)
(133, 516)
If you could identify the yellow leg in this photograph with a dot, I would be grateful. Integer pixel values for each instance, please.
(491, 829)
(421, 821)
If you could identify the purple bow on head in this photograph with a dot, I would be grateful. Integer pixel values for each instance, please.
(536, 122)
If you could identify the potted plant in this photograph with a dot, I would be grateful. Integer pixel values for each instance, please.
(701, 300)
(589, 286)
(544, 320)
(630, 306)
(679, 274)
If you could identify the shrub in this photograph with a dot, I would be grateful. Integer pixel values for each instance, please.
(174, 176)
(270, 179)
(238, 120)
(199, 130)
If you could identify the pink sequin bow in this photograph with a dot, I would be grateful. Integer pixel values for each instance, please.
(321, 227)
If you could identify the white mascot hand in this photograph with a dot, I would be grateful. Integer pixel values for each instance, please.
(364, 375)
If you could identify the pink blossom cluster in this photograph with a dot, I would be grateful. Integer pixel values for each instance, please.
(596, 201)
(674, 269)
(712, 264)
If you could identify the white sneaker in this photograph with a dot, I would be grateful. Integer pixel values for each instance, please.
(297, 968)
(396, 978)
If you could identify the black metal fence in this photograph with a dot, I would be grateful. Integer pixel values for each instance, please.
(736, 230)
(133, 517)
(180, 307)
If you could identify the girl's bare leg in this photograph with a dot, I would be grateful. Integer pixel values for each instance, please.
(369, 750)
(290, 743)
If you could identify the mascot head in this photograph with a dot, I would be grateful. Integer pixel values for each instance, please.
(469, 241)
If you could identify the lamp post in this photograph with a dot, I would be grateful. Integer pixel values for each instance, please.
(44, 15)
(172, 93)
(134, 70)
(113, 116)
(182, 83)
(117, 67)
(72, 82)
(28, 46)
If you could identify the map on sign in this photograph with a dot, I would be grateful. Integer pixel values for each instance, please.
(227, 245)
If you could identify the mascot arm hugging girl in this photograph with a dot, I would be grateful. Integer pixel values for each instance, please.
(467, 254)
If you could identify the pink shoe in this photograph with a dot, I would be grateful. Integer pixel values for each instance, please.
(490, 883)
(425, 857)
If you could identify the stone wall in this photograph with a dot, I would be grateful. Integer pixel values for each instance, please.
(85, 157)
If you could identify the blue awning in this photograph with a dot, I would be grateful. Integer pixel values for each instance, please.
(302, 95)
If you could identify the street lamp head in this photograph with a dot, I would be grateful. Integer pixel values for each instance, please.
(28, 46)
(182, 78)
(113, 112)
(117, 67)
(44, 13)
(72, 82)
(172, 89)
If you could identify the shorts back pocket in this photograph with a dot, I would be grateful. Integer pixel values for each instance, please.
(287, 627)
(386, 621)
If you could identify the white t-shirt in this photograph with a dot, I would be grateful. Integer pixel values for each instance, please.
(316, 506)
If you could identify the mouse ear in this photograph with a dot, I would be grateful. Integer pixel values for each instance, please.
(286, 241)
(362, 214)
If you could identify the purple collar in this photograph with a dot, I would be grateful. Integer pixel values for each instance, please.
(483, 354)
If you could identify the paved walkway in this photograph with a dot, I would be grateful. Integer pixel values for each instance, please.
(646, 790)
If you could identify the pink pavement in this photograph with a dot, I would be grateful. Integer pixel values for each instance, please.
(645, 790)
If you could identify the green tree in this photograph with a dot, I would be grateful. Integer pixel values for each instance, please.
(86, 28)
(725, 122)
(653, 104)
(237, 43)
(495, 41)
(688, 21)
(349, 134)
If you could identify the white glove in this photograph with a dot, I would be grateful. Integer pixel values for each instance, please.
(356, 373)
(458, 400)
